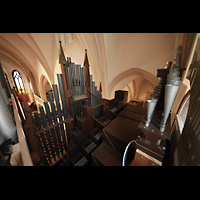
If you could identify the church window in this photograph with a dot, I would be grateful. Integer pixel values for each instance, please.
(18, 81)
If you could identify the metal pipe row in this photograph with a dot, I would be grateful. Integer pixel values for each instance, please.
(171, 89)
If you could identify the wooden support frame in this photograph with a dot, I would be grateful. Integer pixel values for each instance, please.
(53, 126)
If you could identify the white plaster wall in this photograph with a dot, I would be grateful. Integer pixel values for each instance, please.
(120, 85)
(147, 51)
(110, 54)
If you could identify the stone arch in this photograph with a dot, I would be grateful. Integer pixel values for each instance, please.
(45, 86)
(130, 72)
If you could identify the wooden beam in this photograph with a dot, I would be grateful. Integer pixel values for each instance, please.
(54, 125)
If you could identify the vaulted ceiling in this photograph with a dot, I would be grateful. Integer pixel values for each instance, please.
(114, 57)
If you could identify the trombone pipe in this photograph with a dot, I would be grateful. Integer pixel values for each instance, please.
(170, 94)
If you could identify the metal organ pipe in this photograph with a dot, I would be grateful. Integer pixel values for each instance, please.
(7, 127)
(171, 89)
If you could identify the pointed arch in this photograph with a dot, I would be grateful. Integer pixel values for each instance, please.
(45, 86)
(130, 72)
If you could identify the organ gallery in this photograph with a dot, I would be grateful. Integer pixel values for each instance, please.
(99, 99)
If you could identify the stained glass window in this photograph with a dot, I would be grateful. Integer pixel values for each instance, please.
(18, 81)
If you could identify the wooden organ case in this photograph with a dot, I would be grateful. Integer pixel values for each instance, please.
(62, 128)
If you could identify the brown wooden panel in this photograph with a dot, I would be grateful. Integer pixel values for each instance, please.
(135, 109)
(132, 115)
(123, 128)
(189, 145)
(142, 159)
(107, 156)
